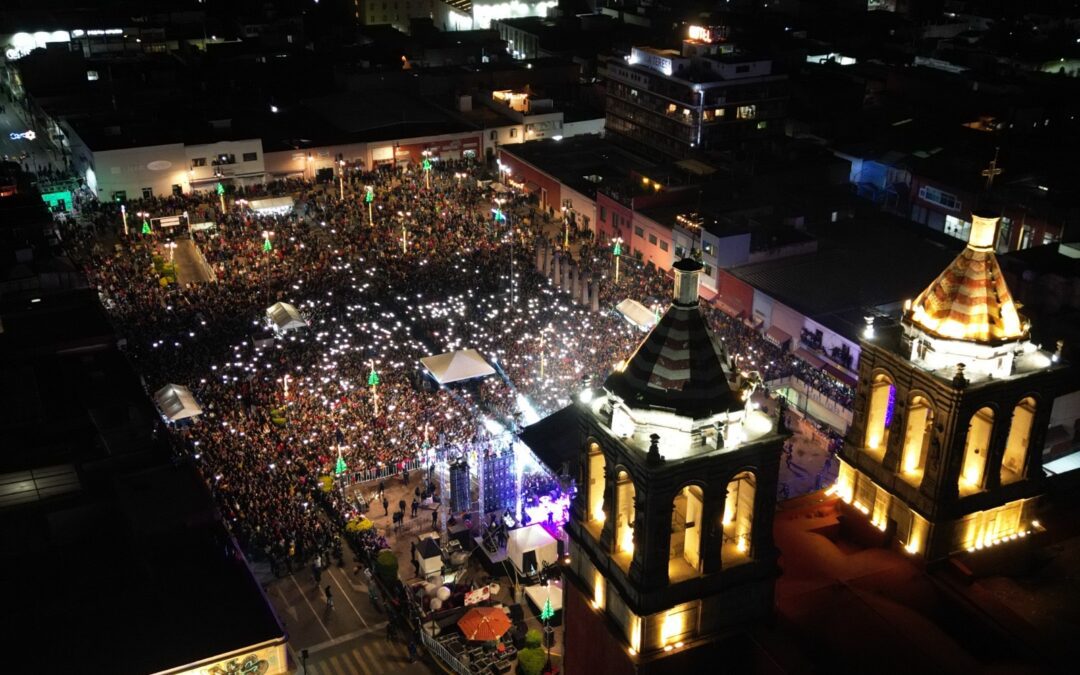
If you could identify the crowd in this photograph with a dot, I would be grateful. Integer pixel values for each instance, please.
(464, 280)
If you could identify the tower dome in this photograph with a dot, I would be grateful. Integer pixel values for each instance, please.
(970, 300)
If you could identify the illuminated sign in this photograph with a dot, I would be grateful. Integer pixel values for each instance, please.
(22, 44)
(29, 135)
(699, 33)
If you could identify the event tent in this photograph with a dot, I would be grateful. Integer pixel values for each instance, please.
(176, 402)
(637, 314)
(464, 364)
(272, 205)
(530, 547)
(284, 317)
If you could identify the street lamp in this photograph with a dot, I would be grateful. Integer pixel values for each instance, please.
(341, 179)
(404, 233)
(426, 165)
(369, 197)
(123, 214)
(616, 250)
(171, 245)
(566, 232)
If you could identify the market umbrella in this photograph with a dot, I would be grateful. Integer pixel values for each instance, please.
(484, 624)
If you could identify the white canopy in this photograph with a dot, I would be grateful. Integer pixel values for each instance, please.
(176, 402)
(284, 317)
(272, 205)
(464, 364)
(530, 547)
(637, 314)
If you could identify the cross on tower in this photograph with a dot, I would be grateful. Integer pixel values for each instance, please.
(993, 170)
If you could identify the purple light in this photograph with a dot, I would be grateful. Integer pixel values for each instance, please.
(558, 508)
(890, 406)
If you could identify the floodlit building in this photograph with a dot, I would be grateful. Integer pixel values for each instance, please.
(671, 544)
(951, 415)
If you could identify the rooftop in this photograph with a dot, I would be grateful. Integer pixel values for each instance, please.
(584, 163)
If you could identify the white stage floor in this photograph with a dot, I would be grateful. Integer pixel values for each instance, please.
(537, 595)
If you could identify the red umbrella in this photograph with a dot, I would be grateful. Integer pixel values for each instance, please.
(484, 623)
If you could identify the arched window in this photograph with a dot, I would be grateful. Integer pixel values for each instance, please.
(1014, 461)
(594, 514)
(916, 439)
(624, 519)
(973, 471)
(879, 415)
(738, 520)
(684, 551)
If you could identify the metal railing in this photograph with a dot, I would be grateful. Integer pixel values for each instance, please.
(436, 649)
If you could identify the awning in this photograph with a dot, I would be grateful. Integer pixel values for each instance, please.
(465, 364)
(637, 314)
(176, 402)
(777, 336)
(731, 306)
(284, 317)
(272, 205)
(840, 374)
(810, 357)
(197, 227)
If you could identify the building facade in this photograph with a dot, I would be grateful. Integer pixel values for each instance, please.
(671, 531)
(705, 97)
(945, 450)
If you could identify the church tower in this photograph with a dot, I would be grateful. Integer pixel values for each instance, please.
(951, 413)
(671, 544)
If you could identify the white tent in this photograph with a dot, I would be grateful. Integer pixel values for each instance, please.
(284, 317)
(272, 205)
(176, 402)
(464, 364)
(530, 547)
(637, 314)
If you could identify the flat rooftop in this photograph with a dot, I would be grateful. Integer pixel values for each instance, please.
(860, 263)
(584, 163)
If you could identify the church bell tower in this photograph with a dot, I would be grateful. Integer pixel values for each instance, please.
(671, 544)
(951, 413)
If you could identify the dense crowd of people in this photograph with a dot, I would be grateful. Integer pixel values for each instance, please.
(435, 272)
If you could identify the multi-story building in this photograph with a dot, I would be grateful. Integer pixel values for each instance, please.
(952, 412)
(705, 97)
(671, 543)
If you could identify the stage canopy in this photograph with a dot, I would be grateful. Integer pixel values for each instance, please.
(637, 314)
(556, 441)
(284, 317)
(176, 402)
(465, 364)
(530, 547)
(272, 205)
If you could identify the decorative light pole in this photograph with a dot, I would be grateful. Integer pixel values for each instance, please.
(221, 196)
(404, 232)
(617, 252)
(267, 246)
(339, 467)
(426, 165)
(566, 230)
(341, 179)
(373, 382)
(171, 245)
(369, 197)
(123, 214)
(145, 223)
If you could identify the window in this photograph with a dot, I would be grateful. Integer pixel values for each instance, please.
(708, 270)
(936, 196)
(513, 132)
(707, 248)
(746, 112)
(920, 420)
(879, 417)
(737, 523)
(762, 124)
(663, 246)
(976, 448)
(639, 232)
(719, 112)
(177, 190)
(147, 193)
(955, 227)
(680, 252)
(251, 156)
(652, 239)
(603, 215)
(494, 135)
(1016, 446)
(638, 254)
(198, 161)
(671, 108)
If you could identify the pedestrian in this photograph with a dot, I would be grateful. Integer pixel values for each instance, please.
(382, 487)
(401, 505)
(329, 598)
(386, 506)
(412, 651)
(435, 517)
(416, 566)
(415, 507)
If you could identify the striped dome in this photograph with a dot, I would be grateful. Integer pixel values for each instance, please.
(970, 299)
(680, 365)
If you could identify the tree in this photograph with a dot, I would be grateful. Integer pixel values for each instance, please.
(386, 564)
(533, 639)
(531, 661)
